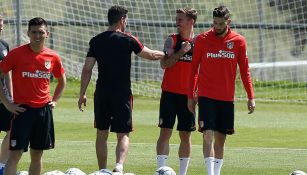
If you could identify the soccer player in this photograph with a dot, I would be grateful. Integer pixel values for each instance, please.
(174, 98)
(31, 65)
(216, 55)
(113, 98)
(6, 116)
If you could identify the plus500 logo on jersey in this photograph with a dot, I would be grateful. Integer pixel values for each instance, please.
(37, 74)
(221, 54)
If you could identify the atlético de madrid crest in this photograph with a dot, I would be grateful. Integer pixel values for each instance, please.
(47, 64)
(230, 45)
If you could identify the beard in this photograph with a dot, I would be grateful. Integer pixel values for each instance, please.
(123, 28)
(220, 32)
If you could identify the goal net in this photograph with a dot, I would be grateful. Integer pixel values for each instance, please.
(275, 31)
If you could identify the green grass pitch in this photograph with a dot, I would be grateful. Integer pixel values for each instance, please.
(272, 141)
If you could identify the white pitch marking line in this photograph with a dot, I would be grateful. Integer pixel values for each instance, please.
(240, 148)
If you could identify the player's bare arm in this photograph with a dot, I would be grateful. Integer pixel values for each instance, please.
(85, 79)
(172, 58)
(58, 90)
(251, 105)
(151, 54)
(8, 82)
(14, 108)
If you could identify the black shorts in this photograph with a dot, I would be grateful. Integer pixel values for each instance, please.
(113, 111)
(172, 105)
(5, 118)
(215, 115)
(34, 126)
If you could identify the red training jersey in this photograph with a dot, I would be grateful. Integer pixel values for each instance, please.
(215, 60)
(176, 77)
(31, 73)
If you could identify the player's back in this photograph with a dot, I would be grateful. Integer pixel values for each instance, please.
(112, 50)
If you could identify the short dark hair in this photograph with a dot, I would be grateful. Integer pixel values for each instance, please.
(189, 12)
(115, 14)
(221, 12)
(37, 21)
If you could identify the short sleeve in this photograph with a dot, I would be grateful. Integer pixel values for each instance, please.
(91, 50)
(58, 69)
(136, 45)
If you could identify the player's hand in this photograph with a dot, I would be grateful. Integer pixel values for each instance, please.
(186, 46)
(52, 104)
(191, 105)
(14, 108)
(251, 105)
(82, 100)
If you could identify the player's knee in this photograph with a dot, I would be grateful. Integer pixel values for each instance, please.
(164, 138)
(185, 136)
(208, 139)
(15, 156)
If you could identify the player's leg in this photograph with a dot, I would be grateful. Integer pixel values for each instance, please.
(102, 148)
(36, 162)
(208, 150)
(19, 139)
(207, 116)
(167, 117)
(163, 146)
(121, 124)
(184, 151)
(4, 153)
(208, 140)
(121, 150)
(207, 123)
(225, 125)
(102, 124)
(42, 136)
(5, 123)
(186, 124)
(219, 143)
(11, 165)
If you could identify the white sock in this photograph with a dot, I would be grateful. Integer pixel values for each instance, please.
(161, 160)
(218, 163)
(119, 167)
(184, 164)
(209, 162)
